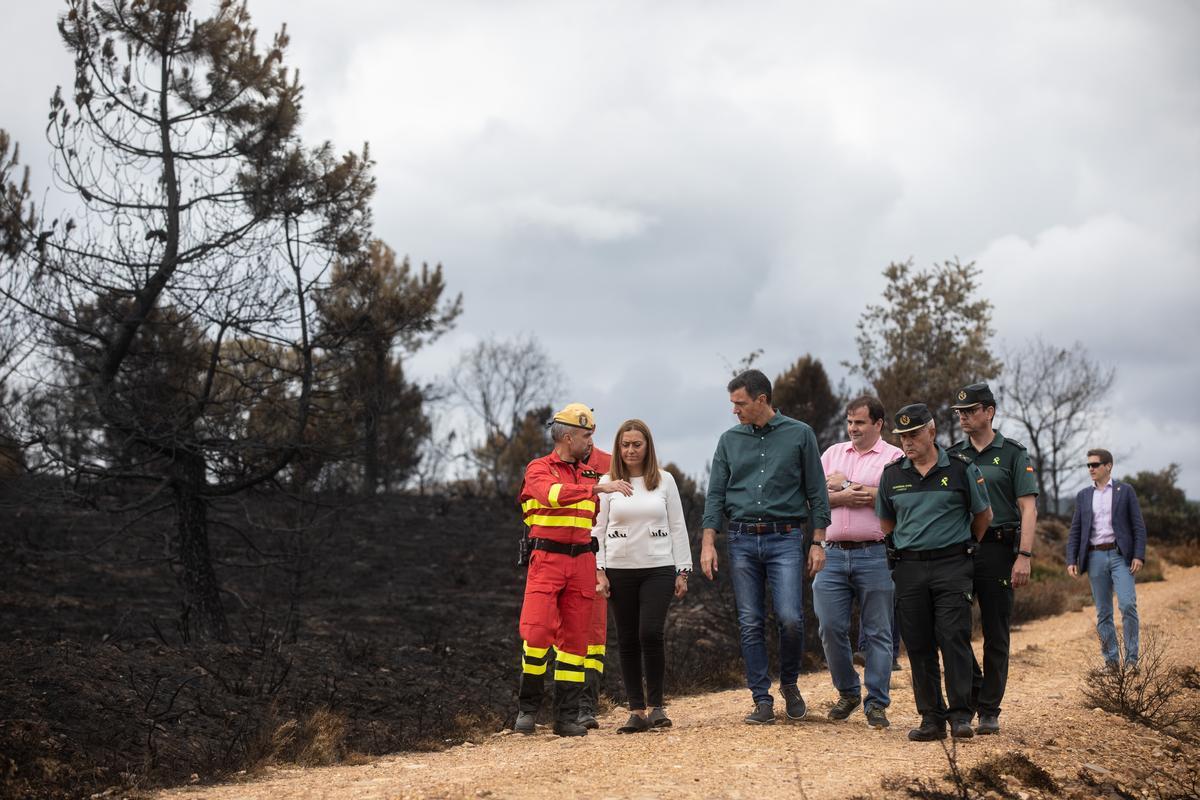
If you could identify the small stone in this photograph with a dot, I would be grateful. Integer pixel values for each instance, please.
(1096, 769)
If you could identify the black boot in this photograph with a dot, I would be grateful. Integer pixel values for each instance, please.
(567, 695)
(589, 701)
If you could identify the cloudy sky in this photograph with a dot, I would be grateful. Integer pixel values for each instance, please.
(654, 189)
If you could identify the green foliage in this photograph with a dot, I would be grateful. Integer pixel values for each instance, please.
(803, 392)
(929, 337)
(1169, 516)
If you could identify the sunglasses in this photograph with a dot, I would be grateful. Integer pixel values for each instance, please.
(1095, 464)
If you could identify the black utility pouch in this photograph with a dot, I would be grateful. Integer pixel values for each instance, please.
(890, 547)
(524, 548)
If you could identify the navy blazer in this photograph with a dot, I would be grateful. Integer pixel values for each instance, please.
(1127, 525)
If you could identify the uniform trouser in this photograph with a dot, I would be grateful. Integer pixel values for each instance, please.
(934, 601)
(640, 598)
(557, 612)
(533, 685)
(993, 587)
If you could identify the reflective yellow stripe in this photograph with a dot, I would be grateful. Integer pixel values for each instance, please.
(570, 658)
(559, 522)
(553, 496)
(533, 669)
(568, 675)
(535, 652)
(591, 663)
(593, 649)
(582, 505)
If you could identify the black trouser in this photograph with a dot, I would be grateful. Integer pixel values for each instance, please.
(934, 601)
(639, 602)
(993, 587)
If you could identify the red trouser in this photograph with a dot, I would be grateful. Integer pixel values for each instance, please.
(559, 607)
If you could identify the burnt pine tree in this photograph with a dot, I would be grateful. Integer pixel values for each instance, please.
(374, 312)
(803, 392)
(180, 297)
(930, 336)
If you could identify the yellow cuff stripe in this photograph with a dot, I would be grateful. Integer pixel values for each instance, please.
(558, 522)
(533, 669)
(568, 676)
(553, 496)
(570, 658)
(593, 649)
(535, 652)
(591, 663)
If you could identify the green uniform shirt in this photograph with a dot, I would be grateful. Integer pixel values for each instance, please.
(1008, 473)
(767, 474)
(935, 510)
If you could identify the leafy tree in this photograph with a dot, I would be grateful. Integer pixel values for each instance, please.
(803, 392)
(1169, 515)
(377, 310)
(181, 300)
(929, 337)
(1055, 395)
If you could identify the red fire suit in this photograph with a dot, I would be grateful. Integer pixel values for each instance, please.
(559, 503)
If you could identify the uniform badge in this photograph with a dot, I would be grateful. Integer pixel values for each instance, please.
(996, 461)
(962, 395)
(590, 473)
(904, 420)
(945, 481)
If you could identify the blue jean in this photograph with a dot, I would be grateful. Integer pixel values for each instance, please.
(1107, 572)
(861, 574)
(861, 647)
(755, 561)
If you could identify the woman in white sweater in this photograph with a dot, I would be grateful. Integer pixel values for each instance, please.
(644, 558)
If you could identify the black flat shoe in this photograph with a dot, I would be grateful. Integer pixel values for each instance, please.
(658, 718)
(636, 724)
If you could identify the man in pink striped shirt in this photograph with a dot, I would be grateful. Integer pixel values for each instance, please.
(856, 565)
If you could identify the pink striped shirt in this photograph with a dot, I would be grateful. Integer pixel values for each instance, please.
(857, 524)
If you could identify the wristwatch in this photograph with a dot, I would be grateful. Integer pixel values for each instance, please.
(845, 484)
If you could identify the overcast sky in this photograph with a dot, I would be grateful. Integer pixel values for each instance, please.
(655, 189)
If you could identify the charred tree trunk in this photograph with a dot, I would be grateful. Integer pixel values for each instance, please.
(203, 611)
(371, 421)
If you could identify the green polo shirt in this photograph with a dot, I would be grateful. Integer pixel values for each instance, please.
(1008, 473)
(767, 474)
(935, 510)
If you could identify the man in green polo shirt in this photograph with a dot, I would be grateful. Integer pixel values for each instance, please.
(933, 507)
(1002, 559)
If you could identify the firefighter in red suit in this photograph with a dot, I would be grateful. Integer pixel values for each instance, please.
(558, 500)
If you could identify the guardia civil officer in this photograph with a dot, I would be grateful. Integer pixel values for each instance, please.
(1002, 558)
(933, 507)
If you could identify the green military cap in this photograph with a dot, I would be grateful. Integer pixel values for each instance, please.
(974, 395)
(912, 417)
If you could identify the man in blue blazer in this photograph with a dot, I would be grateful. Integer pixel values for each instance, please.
(1108, 542)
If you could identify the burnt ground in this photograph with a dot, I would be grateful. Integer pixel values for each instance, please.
(360, 628)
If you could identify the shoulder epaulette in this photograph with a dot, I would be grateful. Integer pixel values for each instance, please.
(963, 457)
(1014, 443)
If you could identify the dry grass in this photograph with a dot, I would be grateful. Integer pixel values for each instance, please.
(317, 740)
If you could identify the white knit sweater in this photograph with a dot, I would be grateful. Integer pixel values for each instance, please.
(645, 529)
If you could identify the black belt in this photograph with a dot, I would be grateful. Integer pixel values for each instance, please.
(1005, 534)
(758, 528)
(1109, 546)
(572, 550)
(852, 545)
(960, 549)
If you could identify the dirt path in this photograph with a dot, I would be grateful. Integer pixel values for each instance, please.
(711, 753)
